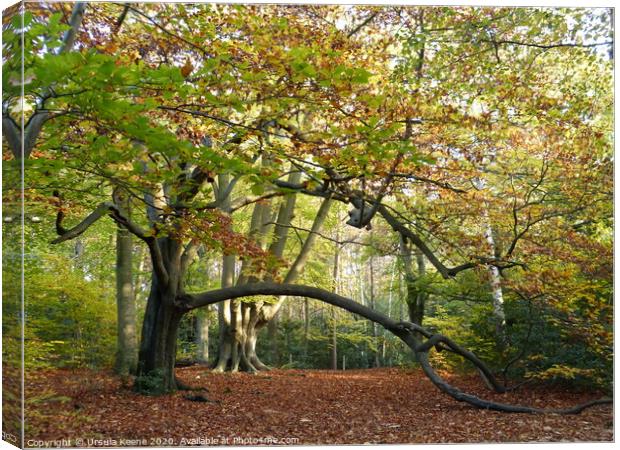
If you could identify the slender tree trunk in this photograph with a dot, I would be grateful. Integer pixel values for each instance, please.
(415, 296)
(494, 275)
(126, 347)
(384, 348)
(226, 334)
(336, 280)
(362, 294)
(202, 323)
(376, 361)
(334, 340)
(496, 284)
(306, 327)
(272, 332)
(402, 296)
(202, 337)
(225, 308)
(422, 295)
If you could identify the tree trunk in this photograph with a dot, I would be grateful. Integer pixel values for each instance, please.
(306, 327)
(334, 343)
(202, 338)
(159, 342)
(257, 315)
(273, 341)
(225, 309)
(494, 275)
(496, 285)
(158, 346)
(336, 280)
(126, 347)
(415, 297)
(376, 361)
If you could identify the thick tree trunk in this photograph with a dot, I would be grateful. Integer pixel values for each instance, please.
(126, 348)
(158, 346)
(159, 343)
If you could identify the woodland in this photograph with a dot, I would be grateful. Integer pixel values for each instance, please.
(338, 224)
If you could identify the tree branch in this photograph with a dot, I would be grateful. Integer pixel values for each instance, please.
(32, 129)
(404, 330)
(444, 271)
(68, 234)
(249, 200)
(74, 22)
(12, 133)
(546, 46)
(121, 19)
(363, 24)
(110, 209)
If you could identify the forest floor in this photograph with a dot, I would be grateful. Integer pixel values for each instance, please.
(296, 407)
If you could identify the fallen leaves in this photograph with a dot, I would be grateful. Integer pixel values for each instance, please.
(299, 407)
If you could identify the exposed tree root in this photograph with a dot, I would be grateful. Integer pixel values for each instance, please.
(181, 386)
(410, 334)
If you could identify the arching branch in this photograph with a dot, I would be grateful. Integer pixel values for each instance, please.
(103, 209)
(405, 331)
(111, 210)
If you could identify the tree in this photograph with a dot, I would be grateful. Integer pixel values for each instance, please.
(22, 149)
(179, 120)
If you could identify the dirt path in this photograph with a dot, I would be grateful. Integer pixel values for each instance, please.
(295, 407)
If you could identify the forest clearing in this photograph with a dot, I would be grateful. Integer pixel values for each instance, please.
(331, 223)
(301, 407)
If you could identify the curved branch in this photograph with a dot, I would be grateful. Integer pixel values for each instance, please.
(405, 331)
(65, 235)
(418, 242)
(12, 133)
(363, 24)
(547, 46)
(110, 209)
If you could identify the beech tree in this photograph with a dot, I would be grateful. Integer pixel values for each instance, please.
(21, 146)
(200, 111)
